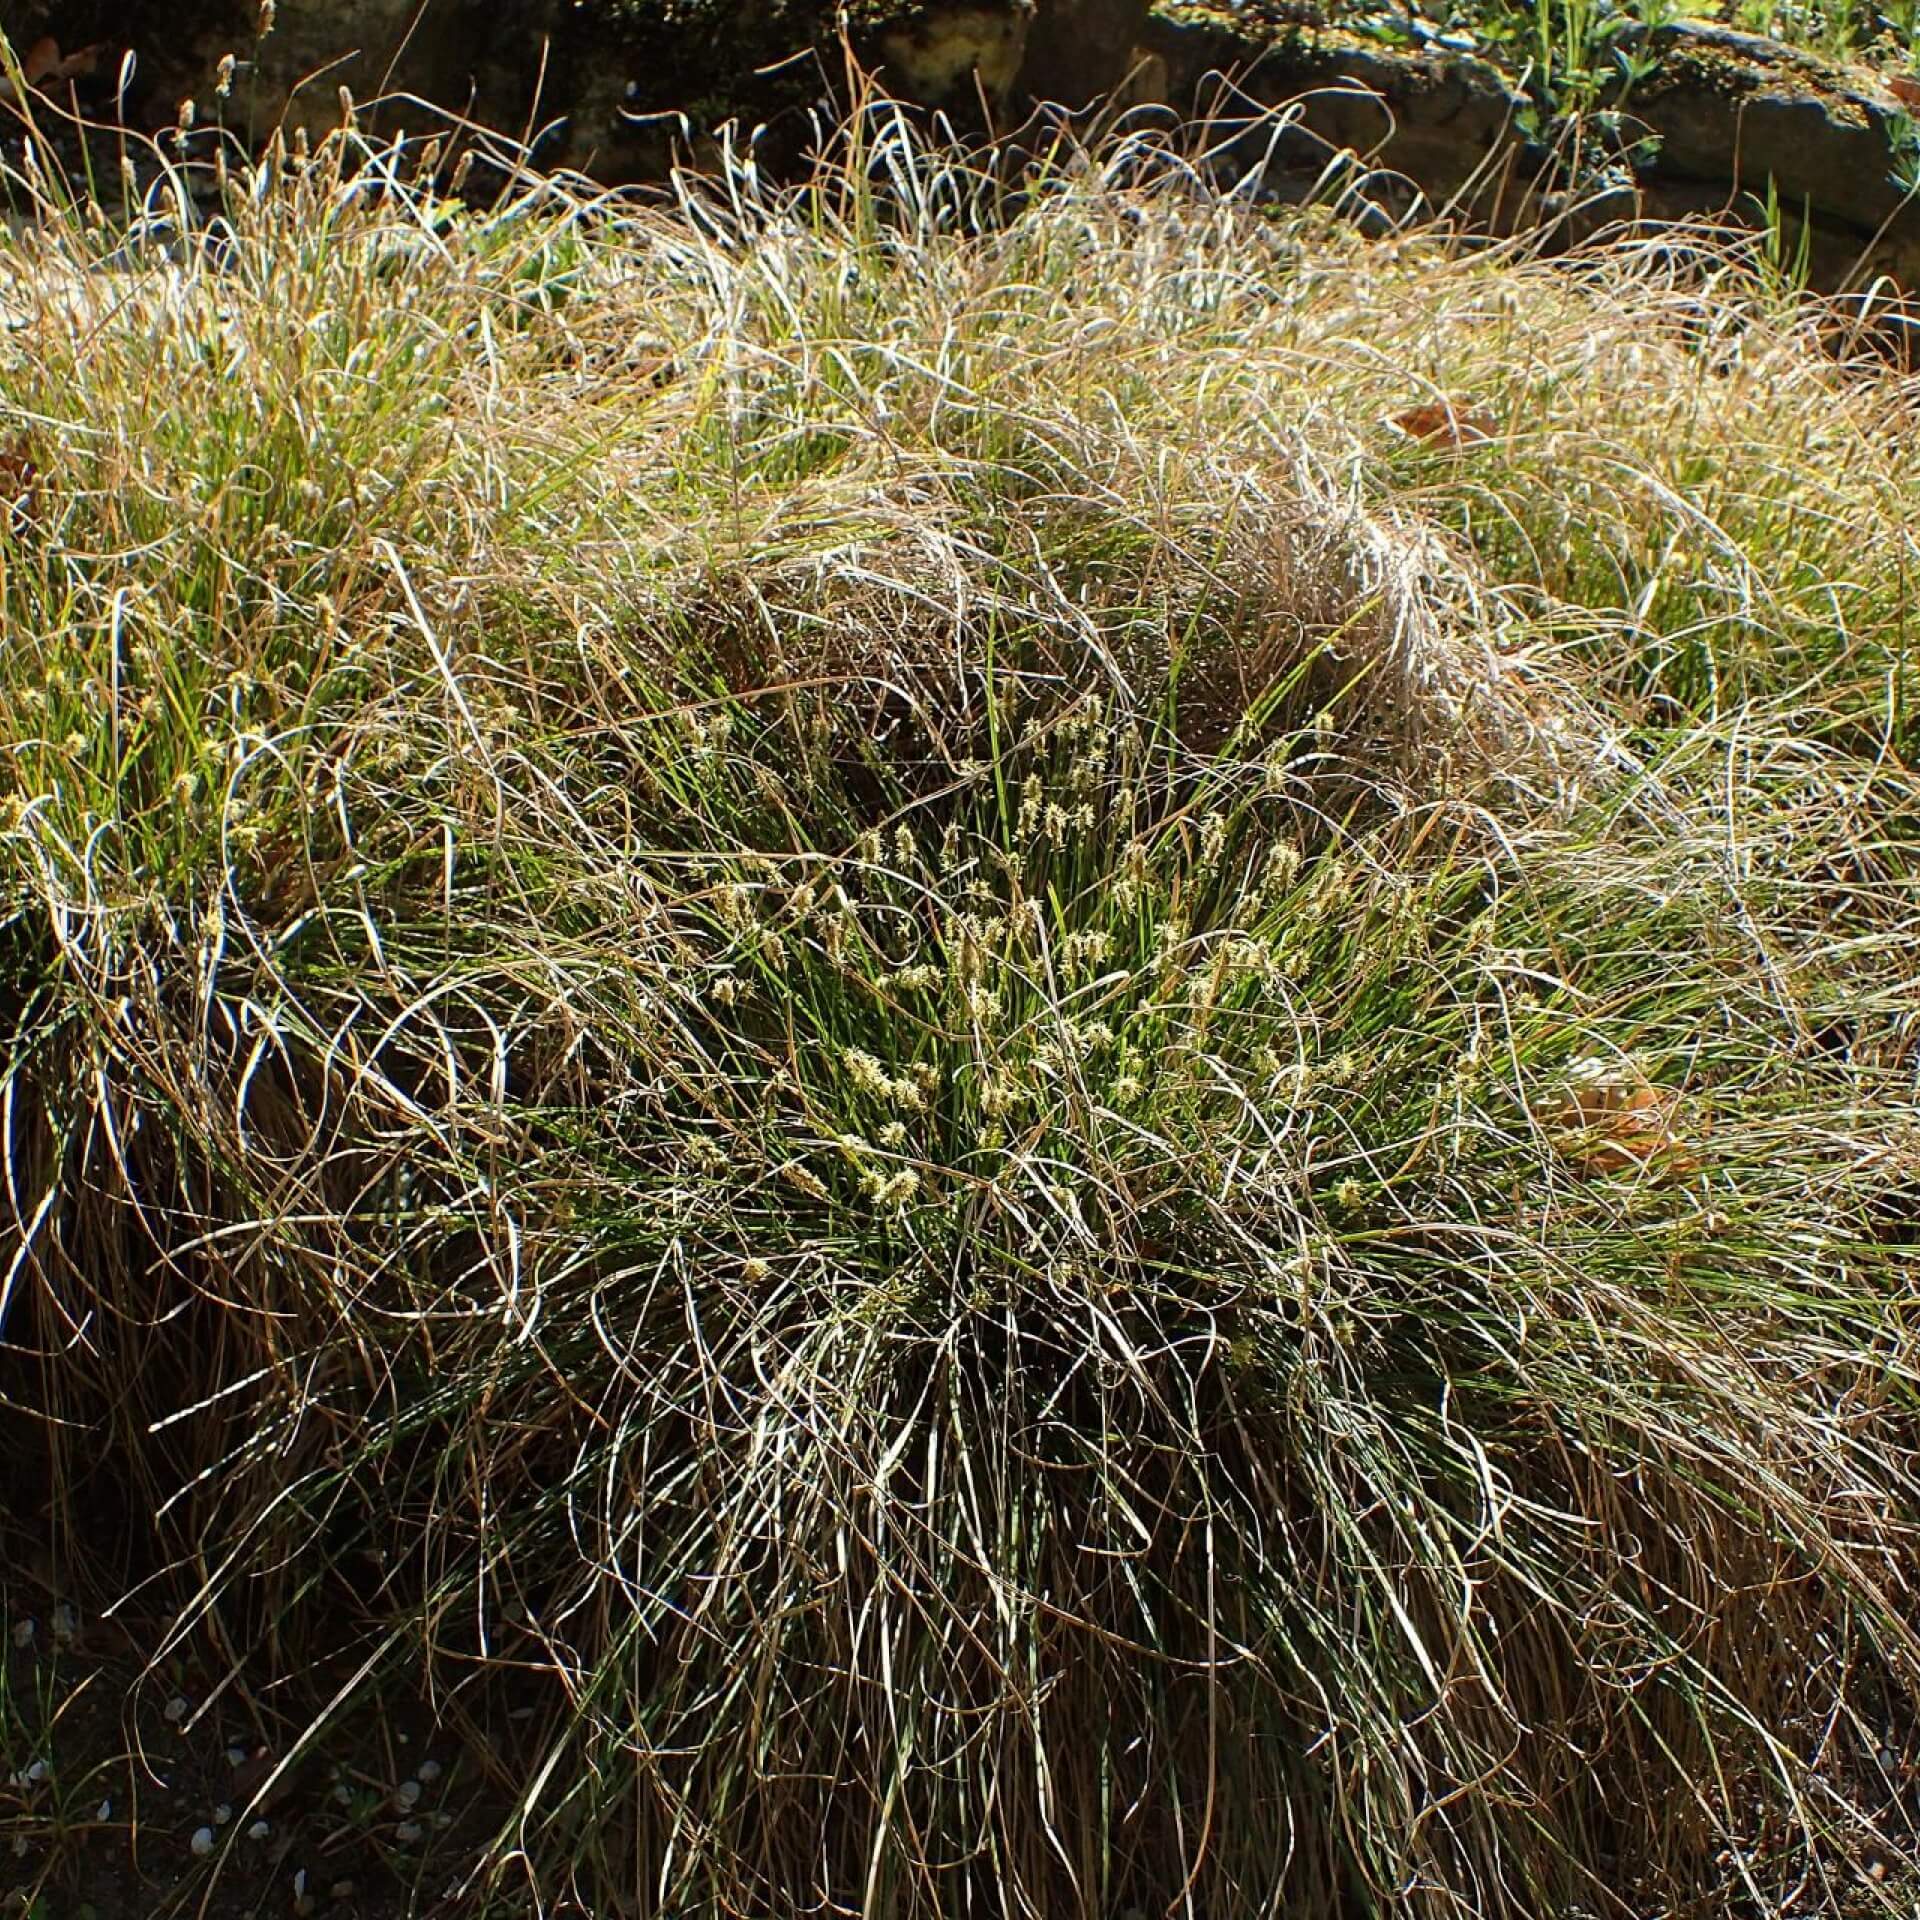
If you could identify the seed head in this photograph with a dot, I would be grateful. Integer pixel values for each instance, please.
(805, 1180)
(1283, 863)
(1031, 802)
(865, 1071)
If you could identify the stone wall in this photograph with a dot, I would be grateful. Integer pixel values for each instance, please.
(1722, 116)
(584, 76)
(1723, 119)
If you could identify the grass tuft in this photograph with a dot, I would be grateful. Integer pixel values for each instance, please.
(834, 1006)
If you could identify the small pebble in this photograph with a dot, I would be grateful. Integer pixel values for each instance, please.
(300, 1884)
(23, 1633)
(406, 1796)
(428, 1771)
(176, 1711)
(222, 1814)
(35, 1773)
(202, 1842)
(236, 1757)
(106, 1810)
(409, 1832)
(260, 1829)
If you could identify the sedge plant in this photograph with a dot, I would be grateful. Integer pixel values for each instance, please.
(830, 998)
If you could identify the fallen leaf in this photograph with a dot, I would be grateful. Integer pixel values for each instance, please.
(1904, 88)
(19, 487)
(1610, 1120)
(253, 1775)
(77, 66)
(1446, 423)
(44, 61)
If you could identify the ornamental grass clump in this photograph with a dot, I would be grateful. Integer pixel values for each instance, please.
(839, 1009)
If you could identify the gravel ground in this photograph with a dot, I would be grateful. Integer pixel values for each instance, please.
(128, 1789)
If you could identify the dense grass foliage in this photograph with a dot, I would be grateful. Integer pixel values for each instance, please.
(850, 986)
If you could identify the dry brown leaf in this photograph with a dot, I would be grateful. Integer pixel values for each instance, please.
(78, 65)
(19, 486)
(1611, 1121)
(1445, 422)
(1904, 88)
(254, 1785)
(44, 61)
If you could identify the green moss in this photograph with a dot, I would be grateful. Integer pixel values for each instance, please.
(1504, 36)
(1733, 73)
(1705, 68)
(1249, 21)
